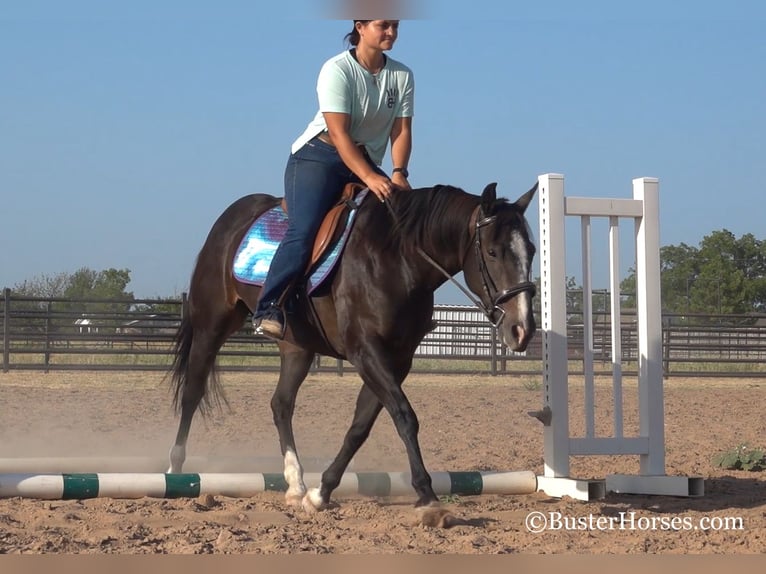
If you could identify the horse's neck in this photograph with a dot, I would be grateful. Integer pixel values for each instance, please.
(447, 244)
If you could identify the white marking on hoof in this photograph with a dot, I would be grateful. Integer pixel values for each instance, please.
(296, 489)
(312, 502)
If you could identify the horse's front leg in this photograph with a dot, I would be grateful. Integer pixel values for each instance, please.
(383, 377)
(429, 510)
(295, 365)
(367, 409)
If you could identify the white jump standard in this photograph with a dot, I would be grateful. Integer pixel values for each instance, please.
(559, 446)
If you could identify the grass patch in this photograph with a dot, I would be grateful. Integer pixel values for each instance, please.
(743, 457)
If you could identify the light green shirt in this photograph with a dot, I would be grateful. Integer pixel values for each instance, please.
(372, 101)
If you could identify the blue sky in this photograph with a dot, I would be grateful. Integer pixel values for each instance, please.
(126, 130)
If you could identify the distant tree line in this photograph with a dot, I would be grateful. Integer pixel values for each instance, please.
(84, 288)
(84, 283)
(724, 275)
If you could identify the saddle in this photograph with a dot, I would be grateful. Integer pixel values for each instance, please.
(331, 221)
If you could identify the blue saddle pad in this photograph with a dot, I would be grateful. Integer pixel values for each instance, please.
(255, 252)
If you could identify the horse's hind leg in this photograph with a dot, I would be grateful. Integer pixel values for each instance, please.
(200, 340)
(199, 368)
(295, 365)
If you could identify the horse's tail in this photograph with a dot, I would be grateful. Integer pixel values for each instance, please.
(179, 378)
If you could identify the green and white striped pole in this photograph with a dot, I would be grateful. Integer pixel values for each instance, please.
(245, 485)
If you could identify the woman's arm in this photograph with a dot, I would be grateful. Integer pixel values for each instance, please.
(338, 128)
(401, 147)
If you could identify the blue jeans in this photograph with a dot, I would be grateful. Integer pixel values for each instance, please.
(314, 178)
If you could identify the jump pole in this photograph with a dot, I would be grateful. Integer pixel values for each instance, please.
(649, 444)
(245, 485)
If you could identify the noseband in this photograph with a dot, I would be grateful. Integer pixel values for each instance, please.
(493, 311)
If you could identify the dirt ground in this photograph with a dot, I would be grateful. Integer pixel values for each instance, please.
(466, 423)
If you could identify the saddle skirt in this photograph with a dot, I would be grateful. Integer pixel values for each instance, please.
(256, 250)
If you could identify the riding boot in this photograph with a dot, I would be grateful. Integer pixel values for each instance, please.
(273, 320)
(271, 323)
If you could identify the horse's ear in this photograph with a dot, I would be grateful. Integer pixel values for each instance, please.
(488, 198)
(524, 200)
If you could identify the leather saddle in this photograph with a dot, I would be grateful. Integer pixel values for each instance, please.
(331, 221)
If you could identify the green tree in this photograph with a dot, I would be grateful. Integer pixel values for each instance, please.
(679, 268)
(37, 313)
(45, 286)
(92, 286)
(732, 273)
(723, 275)
(86, 283)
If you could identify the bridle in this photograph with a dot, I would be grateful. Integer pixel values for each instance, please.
(495, 297)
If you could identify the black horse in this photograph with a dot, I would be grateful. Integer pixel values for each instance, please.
(374, 313)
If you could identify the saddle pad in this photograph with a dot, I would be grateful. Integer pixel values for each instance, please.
(255, 252)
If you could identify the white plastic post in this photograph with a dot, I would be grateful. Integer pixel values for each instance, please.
(587, 328)
(616, 314)
(649, 311)
(553, 323)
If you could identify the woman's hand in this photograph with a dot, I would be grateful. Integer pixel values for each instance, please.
(400, 181)
(380, 185)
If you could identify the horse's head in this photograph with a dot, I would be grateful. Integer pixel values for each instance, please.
(498, 266)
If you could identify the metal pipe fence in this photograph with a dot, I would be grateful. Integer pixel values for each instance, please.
(72, 334)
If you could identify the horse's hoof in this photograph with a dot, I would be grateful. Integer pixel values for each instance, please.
(435, 516)
(294, 500)
(312, 502)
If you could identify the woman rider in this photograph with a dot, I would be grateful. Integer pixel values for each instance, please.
(365, 100)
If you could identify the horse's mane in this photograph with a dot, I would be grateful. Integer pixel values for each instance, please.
(426, 217)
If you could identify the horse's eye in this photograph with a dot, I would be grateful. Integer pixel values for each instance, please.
(491, 252)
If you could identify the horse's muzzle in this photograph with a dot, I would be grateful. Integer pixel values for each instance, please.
(515, 323)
